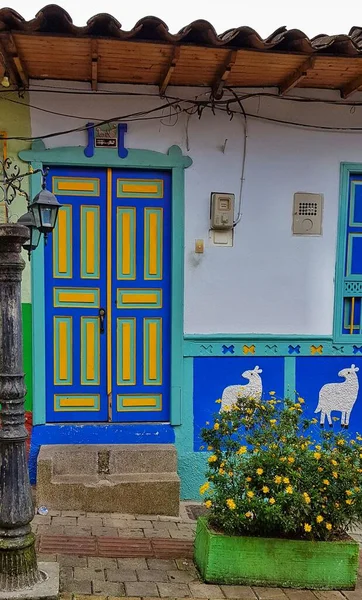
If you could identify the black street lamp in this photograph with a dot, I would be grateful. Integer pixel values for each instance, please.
(18, 564)
(34, 239)
(44, 209)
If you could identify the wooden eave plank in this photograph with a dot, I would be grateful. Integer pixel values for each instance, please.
(94, 65)
(294, 78)
(64, 57)
(170, 69)
(351, 87)
(13, 62)
(221, 80)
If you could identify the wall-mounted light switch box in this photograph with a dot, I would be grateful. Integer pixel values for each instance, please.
(307, 214)
(222, 210)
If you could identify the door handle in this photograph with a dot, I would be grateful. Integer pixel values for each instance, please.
(102, 314)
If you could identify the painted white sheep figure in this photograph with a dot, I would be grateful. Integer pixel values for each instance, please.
(253, 389)
(339, 396)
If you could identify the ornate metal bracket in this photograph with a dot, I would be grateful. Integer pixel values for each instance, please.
(11, 181)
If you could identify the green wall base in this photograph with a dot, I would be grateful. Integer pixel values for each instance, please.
(27, 354)
(275, 562)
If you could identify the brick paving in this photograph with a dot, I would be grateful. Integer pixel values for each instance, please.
(140, 557)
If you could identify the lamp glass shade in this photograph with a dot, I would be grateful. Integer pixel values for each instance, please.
(45, 208)
(29, 222)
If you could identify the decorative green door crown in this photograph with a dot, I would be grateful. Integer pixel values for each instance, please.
(173, 161)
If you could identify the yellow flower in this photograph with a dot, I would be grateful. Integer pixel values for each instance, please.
(360, 455)
(277, 479)
(291, 459)
(289, 489)
(337, 504)
(314, 421)
(319, 519)
(320, 469)
(210, 448)
(212, 458)
(218, 401)
(272, 421)
(318, 447)
(217, 426)
(329, 526)
(301, 400)
(306, 498)
(349, 501)
(335, 474)
(221, 471)
(204, 487)
(334, 462)
(271, 393)
(247, 478)
(230, 473)
(271, 500)
(297, 405)
(248, 514)
(265, 489)
(325, 481)
(230, 504)
(340, 443)
(242, 450)
(317, 455)
(303, 446)
(208, 503)
(260, 471)
(283, 459)
(307, 527)
(250, 494)
(286, 480)
(349, 492)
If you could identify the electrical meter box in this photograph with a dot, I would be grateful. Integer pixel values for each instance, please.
(222, 210)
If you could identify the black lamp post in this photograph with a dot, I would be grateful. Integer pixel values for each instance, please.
(18, 563)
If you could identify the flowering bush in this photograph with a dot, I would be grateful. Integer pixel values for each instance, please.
(267, 476)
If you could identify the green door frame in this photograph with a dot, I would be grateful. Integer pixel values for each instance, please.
(38, 156)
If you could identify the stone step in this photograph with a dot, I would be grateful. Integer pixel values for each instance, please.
(109, 478)
(113, 458)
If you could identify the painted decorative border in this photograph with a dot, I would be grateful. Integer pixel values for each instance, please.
(227, 345)
(174, 161)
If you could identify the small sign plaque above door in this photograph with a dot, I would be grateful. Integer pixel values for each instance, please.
(106, 135)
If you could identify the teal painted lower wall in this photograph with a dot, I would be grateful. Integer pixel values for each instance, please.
(301, 363)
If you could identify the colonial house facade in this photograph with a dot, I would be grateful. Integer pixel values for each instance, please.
(209, 239)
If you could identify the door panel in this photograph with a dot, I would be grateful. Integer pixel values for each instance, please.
(75, 284)
(111, 250)
(141, 217)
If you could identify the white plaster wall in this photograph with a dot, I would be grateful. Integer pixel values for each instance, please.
(270, 281)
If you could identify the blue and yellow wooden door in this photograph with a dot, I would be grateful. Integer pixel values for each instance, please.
(107, 280)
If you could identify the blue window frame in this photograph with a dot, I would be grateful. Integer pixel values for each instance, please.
(348, 280)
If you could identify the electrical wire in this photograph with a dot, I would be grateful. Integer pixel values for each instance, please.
(188, 106)
(242, 175)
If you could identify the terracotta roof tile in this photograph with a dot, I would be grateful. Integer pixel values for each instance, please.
(53, 19)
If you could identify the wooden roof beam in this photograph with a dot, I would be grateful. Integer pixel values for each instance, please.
(292, 80)
(13, 63)
(351, 87)
(170, 69)
(220, 82)
(94, 65)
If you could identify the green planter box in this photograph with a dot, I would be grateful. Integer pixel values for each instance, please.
(275, 562)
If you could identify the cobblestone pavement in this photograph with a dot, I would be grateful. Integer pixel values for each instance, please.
(136, 578)
(76, 523)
